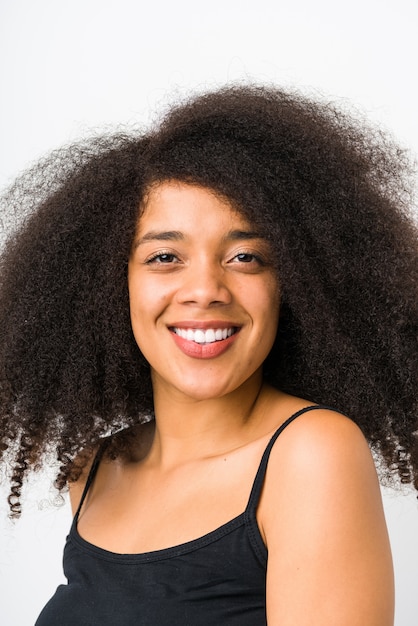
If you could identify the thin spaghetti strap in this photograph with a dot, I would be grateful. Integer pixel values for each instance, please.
(259, 479)
(90, 478)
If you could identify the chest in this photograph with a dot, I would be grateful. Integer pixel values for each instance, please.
(137, 509)
(217, 579)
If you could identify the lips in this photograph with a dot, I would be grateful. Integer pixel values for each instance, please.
(205, 336)
(204, 341)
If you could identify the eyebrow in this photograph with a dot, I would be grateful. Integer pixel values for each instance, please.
(175, 235)
(154, 235)
(238, 235)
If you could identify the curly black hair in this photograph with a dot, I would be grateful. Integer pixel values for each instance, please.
(332, 197)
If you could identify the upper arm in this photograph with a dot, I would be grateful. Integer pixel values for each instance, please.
(329, 561)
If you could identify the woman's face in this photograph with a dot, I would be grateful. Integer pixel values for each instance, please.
(204, 297)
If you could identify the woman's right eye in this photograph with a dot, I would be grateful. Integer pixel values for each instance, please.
(162, 258)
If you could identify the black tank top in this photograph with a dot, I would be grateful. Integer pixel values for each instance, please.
(218, 579)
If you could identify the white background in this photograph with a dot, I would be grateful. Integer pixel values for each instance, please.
(71, 67)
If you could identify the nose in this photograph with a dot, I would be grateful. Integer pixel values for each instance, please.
(204, 284)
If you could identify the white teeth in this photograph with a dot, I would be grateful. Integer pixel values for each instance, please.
(199, 336)
(210, 336)
(204, 336)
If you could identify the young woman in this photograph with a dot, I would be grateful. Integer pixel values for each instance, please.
(187, 319)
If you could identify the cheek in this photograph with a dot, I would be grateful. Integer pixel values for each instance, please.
(146, 303)
(268, 298)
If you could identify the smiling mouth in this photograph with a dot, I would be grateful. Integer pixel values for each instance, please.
(205, 336)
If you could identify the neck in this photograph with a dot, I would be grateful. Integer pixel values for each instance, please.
(188, 428)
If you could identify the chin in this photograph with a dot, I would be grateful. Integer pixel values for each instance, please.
(203, 388)
(200, 395)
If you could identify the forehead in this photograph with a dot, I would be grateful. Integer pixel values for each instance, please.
(178, 201)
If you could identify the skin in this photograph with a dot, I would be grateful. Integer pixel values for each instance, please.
(320, 513)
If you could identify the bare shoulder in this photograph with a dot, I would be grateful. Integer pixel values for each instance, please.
(321, 436)
(322, 519)
(321, 455)
(134, 447)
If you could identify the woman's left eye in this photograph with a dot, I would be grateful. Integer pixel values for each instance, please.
(245, 257)
(248, 257)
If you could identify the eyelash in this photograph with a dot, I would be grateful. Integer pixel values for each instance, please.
(157, 258)
(254, 257)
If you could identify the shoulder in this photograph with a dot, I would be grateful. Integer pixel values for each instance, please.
(322, 519)
(313, 436)
(108, 459)
(318, 437)
(321, 455)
